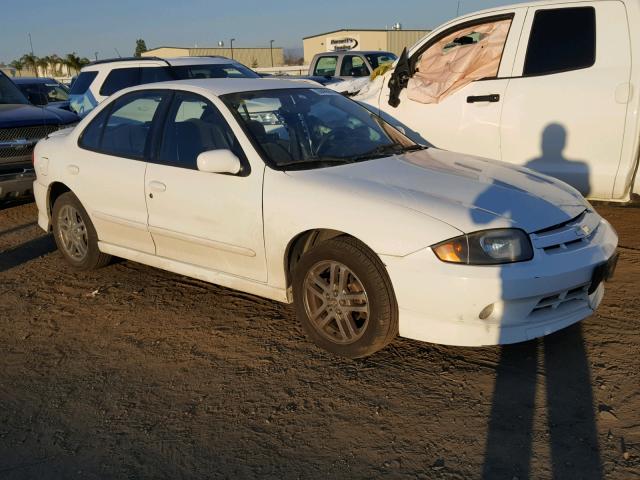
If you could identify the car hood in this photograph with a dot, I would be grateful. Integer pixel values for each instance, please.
(466, 192)
(17, 115)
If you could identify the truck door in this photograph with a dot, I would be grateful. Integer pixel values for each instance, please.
(451, 108)
(565, 107)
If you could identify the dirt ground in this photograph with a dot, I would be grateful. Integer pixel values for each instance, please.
(131, 372)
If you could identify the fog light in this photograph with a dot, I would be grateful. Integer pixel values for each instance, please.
(486, 312)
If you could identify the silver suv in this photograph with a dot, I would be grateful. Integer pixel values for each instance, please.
(100, 79)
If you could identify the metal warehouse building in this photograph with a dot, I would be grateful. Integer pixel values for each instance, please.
(394, 40)
(251, 57)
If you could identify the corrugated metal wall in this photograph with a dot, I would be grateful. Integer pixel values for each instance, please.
(251, 57)
(397, 40)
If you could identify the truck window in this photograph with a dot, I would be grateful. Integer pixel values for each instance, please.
(561, 39)
(353, 66)
(326, 66)
(82, 83)
(457, 59)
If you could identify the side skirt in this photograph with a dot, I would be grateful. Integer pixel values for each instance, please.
(193, 271)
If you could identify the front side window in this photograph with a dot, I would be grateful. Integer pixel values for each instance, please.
(120, 78)
(229, 70)
(353, 66)
(311, 128)
(457, 59)
(125, 130)
(561, 39)
(193, 126)
(326, 66)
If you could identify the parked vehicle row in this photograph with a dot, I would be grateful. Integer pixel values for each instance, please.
(103, 78)
(296, 193)
(550, 85)
(21, 126)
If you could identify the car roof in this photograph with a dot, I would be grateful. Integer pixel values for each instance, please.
(109, 64)
(20, 80)
(223, 86)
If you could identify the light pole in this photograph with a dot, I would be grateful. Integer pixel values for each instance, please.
(271, 48)
(231, 42)
(458, 9)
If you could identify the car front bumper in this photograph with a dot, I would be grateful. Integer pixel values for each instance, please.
(443, 303)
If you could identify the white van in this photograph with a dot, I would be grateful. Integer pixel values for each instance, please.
(553, 85)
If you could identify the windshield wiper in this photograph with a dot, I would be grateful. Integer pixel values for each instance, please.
(414, 148)
(316, 161)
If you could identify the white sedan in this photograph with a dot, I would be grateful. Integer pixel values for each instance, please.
(322, 202)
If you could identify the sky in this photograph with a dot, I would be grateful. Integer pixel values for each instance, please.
(86, 27)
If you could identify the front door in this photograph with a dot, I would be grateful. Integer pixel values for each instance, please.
(205, 219)
(564, 111)
(459, 77)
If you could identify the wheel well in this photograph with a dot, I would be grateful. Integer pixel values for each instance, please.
(304, 242)
(55, 190)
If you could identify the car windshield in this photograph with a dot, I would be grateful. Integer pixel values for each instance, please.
(227, 70)
(53, 92)
(314, 127)
(377, 59)
(9, 93)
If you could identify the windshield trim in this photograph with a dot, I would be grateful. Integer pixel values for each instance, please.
(313, 164)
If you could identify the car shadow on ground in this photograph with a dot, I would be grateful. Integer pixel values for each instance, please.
(26, 252)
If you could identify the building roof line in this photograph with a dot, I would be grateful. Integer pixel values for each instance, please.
(212, 48)
(368, 30)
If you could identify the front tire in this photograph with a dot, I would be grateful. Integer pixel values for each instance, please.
(344, 298)
(75, 235)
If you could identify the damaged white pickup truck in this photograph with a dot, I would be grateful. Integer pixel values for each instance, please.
(553, 86)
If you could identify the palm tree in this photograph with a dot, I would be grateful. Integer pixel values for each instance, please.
(73, 61)
(55, 62)
(43, 63)
(18, 65)
(30, 61)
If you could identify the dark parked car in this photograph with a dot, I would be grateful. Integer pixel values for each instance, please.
(44, 91)
(21, 126)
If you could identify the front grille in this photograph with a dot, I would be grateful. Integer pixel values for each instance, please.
(17, 153)
(569, 236)
(32, 132)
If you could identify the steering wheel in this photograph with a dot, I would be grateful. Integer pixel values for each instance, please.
(336, 135)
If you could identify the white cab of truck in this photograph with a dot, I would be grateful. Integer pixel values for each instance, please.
(552, 85)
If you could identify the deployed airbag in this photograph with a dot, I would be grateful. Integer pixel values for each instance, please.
(457, 60)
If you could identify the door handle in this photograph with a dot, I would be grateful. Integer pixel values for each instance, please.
(157, 186)
(494, 97)
(73, 169)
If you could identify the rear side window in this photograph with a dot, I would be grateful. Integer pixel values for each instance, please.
(119, 79)
(326, 66)
(155, 74)
(124, 131)
(82, 83)
(561, 39)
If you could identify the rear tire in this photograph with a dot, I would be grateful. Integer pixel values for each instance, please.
(75, 235)
(344, 298)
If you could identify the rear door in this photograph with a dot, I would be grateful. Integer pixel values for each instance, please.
(564, 110)
(468, 119)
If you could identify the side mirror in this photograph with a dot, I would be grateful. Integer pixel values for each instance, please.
(219, 161)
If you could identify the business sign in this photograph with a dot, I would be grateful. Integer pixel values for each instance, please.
(338, 44)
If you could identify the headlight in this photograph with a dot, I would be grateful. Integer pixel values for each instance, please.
(487, 247)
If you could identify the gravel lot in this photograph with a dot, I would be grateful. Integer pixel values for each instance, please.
(131, 372)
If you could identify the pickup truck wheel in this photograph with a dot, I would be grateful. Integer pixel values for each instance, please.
(344, 298)
(75, 235)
